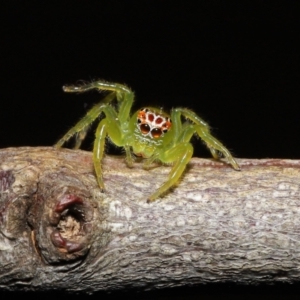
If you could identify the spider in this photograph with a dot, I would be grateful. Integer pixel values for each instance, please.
(148, 133)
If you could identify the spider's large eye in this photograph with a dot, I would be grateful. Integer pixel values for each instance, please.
(156, 133)
(145, 128)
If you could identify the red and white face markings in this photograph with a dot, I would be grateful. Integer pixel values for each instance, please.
(152, 124)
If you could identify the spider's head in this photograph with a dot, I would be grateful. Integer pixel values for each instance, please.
(153, 124)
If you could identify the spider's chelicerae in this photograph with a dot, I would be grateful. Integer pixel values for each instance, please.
(149, 133)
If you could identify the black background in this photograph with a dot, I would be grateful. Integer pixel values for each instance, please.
(236, 65)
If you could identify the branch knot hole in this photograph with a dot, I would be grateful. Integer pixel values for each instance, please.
(68, 231)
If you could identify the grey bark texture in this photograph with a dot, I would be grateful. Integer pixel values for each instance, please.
(59, 232)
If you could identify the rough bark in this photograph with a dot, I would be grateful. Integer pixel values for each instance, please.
(58, 231)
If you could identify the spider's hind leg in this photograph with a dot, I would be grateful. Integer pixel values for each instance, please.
(216, 146)
(203, 131)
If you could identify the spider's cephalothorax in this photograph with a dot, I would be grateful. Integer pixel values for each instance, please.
(148, 133)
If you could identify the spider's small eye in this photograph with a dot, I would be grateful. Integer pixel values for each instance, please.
(145, 128)
(142, 115)
(158, 120)
(150, 117)
(156, 133)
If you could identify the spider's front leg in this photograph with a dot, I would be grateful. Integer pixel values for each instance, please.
(81, 128)
(124, 94)
(181, 154)
(111, 127)
(114, 125)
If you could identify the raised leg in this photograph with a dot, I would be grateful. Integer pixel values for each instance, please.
(99, 85)
(114, 124)
(124, 95)
(82, 126)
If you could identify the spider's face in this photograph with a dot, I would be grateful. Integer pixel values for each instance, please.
(152, 124)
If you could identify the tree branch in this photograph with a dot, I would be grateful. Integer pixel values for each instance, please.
(58, 231)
